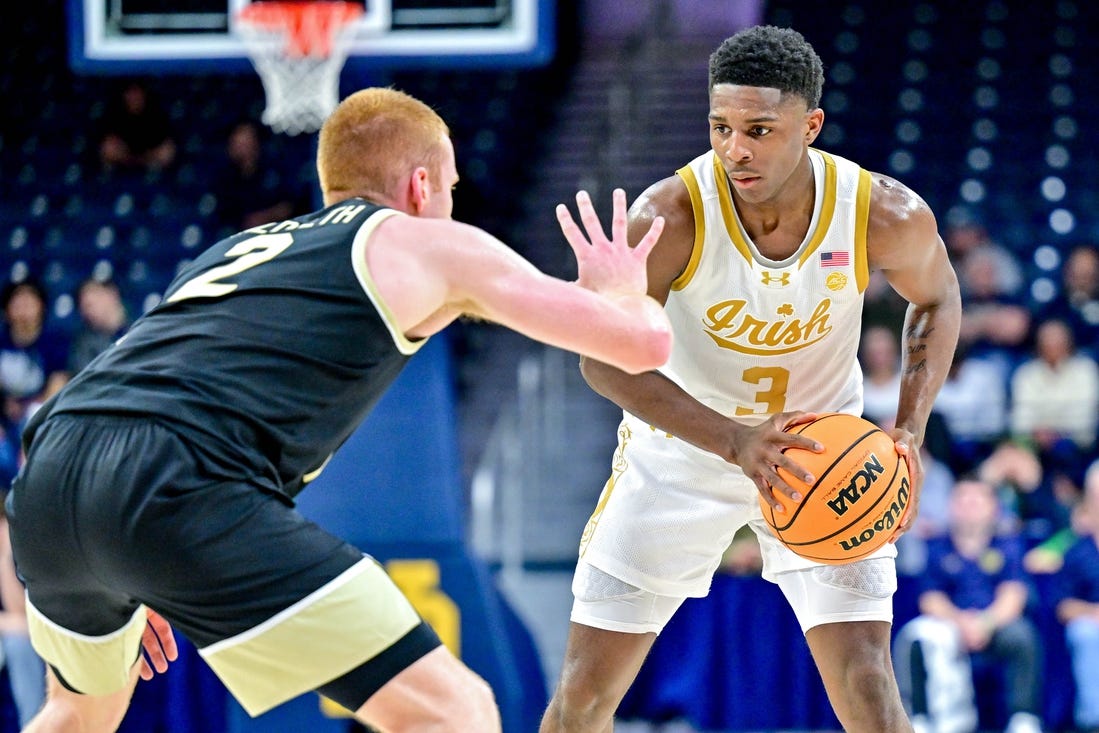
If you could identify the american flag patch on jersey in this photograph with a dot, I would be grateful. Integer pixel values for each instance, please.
(835, 259)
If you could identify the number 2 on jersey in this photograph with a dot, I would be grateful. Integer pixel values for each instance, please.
(249, 253)
(773, 398)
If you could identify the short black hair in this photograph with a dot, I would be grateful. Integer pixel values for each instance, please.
(769, 56)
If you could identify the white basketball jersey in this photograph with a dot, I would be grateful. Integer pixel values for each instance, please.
(755, 337)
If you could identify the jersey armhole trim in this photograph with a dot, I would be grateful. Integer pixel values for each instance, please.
(362, 272)
(862, 217)
(689, 179)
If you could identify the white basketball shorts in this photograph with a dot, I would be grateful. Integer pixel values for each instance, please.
(662, 523)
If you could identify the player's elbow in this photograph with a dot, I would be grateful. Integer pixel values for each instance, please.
(650, 349)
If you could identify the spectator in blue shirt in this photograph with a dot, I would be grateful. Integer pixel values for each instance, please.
(973, 596)
(1078, 606)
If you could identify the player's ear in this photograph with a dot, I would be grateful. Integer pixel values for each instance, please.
(814, 120)
(419, 190)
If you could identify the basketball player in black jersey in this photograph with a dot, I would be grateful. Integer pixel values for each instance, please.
(159, 485)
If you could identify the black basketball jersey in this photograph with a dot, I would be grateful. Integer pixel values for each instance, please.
(268, 350)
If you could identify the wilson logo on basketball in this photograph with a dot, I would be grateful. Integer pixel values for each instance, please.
(859, 484)
(732, 327)
(885, 523)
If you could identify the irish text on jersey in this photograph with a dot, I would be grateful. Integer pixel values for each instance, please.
(732, 327)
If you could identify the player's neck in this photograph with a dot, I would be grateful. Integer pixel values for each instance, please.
(783, 219)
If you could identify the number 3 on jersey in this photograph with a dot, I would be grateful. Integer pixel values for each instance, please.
(773, 399)
(248, 253)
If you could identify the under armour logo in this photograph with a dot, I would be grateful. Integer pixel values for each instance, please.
(776, 281)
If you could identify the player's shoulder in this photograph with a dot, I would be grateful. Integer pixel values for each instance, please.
(892, 202)
(669, 198)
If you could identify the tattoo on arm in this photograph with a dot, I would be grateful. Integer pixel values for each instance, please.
(915, 336)
(919, 331)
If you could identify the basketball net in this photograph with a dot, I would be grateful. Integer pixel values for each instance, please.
(298, 49)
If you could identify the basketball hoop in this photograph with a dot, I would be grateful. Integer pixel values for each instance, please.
(298, 49)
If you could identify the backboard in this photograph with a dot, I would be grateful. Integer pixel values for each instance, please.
(196, 36)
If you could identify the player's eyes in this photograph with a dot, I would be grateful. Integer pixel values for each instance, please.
(760, 131)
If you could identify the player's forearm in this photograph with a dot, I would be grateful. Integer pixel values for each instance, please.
(930, 337)
(642, 336)
(663, 404)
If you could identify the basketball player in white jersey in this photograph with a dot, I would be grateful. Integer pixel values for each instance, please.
(762, 265)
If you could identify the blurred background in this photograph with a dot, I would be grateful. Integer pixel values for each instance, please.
(132, 137)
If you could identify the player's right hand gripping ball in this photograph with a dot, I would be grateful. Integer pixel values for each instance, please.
(861, 491)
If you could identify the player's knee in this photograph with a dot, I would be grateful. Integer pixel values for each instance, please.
(869, 686)
(578, 706)
(482, 706)
(471, 705)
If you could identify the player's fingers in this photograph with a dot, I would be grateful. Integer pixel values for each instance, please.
(165, 634)
(645, 246)
(778, 484)
(793, 469)
(154, 653)
(904, 524)
(159, 642)
(167, 637)
(589, 218)
(145, 672)
(910, 461)
(768, 495)
(618, 218)
(787, 420)
(907, 518)
(804, 442)
(571, 231)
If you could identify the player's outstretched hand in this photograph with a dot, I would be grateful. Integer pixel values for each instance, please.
(159, 644)
(761, 452)
(608, 265)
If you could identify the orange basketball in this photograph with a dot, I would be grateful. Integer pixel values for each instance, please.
(860, 492)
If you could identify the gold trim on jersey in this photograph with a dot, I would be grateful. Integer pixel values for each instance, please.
(358, 262)
(862, 217)
(827, 208)
(691, 181)
(728, 212)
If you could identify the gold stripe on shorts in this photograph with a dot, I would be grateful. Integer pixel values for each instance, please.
(330, 632)
(94, 665)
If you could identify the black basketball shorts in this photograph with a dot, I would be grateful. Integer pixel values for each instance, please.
(112, 514)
